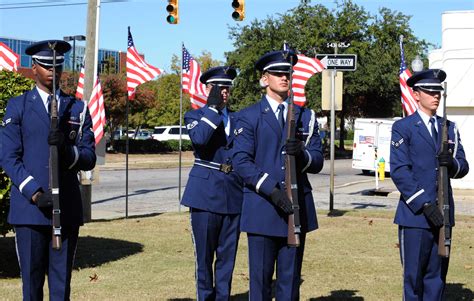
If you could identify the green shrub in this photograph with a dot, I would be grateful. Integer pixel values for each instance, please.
(350, 135)
(186, 145)
(151, 146)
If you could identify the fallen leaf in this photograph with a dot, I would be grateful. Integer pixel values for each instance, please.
(371, 222)
(468, 267)
(94, 277)
(397, 245)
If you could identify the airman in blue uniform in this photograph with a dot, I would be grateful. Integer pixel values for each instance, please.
(414, 164)
(26, 139)
(214, 190)
(259, 158)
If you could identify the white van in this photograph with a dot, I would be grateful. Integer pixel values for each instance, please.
(371, 135)
(169, 132)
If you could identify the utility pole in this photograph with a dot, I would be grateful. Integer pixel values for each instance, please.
(89, 77)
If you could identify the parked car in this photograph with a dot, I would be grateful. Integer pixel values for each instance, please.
(120, 134)
(143, 135)
(169, 132)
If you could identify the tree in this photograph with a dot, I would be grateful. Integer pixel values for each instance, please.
(11, 84)
(166, 109)
(371, 91)
(114, 87)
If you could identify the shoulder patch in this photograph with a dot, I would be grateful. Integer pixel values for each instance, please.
(397, 144)
(238, 131)
(7, 121)
(192, 125)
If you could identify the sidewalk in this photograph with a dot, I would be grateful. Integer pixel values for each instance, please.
(145, 161)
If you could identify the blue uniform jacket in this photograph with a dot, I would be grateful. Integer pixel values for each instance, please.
(414, 168)
(207, 188)
(259, 158)
(25, 157)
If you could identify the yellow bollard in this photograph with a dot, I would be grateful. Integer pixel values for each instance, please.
(381, 169)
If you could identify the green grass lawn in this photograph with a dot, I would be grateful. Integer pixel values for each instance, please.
(353, 256)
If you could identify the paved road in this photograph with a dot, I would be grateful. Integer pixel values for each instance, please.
(156, 190)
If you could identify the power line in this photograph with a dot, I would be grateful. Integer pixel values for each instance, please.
(27, 4)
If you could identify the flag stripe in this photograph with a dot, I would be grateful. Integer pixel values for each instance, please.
(97, 110)
(138, 71)
(303, 70)
(191, 84)
(80, 84)
(9, 60)
(409, 104)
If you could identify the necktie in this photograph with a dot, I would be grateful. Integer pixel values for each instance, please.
(225, 119)
(48, 104)
(281, 119)
(434, 133)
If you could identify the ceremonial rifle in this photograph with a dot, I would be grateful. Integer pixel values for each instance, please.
(444, 241)
(291, 184)
(53, 161)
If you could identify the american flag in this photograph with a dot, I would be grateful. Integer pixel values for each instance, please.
(303, 70)
(191, 84)
(366, 139)
(97, 111)
(138, 71)
(409, 104)
(80, 84)
(8, 59)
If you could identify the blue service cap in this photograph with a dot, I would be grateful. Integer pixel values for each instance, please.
(42, 54)
(277, 61)
(427, 80)
(222, 76)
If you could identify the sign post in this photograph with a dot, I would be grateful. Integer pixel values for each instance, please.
(335, 62)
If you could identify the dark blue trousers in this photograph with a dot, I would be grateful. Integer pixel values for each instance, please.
(37, 258)
(424, 271)
(214, 235)
(264, 253)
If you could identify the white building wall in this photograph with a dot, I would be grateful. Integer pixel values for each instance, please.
(456, 57)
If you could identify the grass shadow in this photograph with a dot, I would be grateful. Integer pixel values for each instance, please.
(8, 261)
(337, 213)
(240, 297)
(101, 220)
(91, 252)
(456, 291)
(95, 251)
(340, 295)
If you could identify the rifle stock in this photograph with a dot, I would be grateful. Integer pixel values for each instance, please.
(444, 241)
(53, 163)
(291, 184)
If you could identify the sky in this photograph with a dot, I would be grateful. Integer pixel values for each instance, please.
(203, 26)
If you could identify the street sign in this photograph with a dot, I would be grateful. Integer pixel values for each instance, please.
(342, 62)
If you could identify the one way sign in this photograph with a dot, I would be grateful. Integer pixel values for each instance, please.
(343, 62)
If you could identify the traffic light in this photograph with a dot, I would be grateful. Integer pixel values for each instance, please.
(239, 10)
(172, 9)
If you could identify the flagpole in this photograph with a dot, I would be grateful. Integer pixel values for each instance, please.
(126, 157)
(126, 152)
(96, 45)
(180, 127)
(401, 47)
